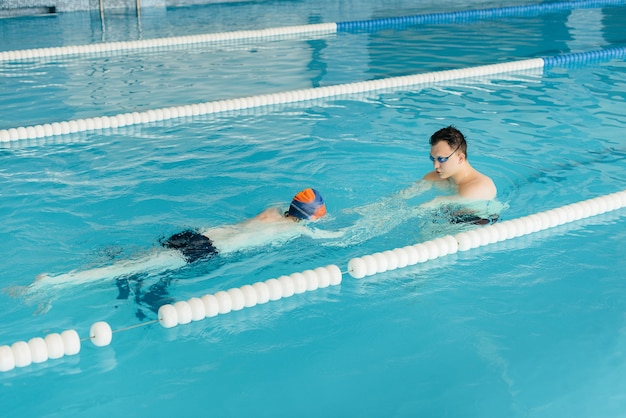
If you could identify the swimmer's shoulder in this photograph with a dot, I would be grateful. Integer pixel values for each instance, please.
(431, 176)
(269, 215)
(479, 188)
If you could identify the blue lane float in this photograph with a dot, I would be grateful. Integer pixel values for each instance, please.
(465, 16)
(584, 58)
(67, 343)
(320, 29)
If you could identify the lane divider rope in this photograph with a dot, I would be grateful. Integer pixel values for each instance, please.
(369, 25)
(293, 96)
(67, 343)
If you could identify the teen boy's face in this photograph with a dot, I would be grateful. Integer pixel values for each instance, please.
(445, 159)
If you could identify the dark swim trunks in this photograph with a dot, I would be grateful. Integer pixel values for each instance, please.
(193, 245)
(474, 219)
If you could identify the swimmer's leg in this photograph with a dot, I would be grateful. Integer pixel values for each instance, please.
(15, 291)
(123, 287)
(153, 262)
(157, 295)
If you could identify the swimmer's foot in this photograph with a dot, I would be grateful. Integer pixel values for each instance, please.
(140, 315)
(42, 308)
(123, 289)
(41, 276)
(15, 291)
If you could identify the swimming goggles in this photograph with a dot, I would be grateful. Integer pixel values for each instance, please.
(442, 160)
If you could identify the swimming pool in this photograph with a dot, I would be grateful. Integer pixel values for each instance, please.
(531, 326)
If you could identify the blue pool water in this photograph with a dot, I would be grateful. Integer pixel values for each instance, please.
(529, 327)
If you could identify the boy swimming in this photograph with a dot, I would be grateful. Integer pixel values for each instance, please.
(270, 227)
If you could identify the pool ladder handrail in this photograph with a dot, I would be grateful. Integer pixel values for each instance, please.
(137, 5)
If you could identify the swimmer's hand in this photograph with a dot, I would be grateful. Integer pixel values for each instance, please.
(15, 291)
(416, 189)
(365, 210)
(323, 234)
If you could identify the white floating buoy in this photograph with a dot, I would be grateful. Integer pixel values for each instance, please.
(72, 126)
(442, 247)
(312, 282)
(262, 292)
(392, 259)
(453, 245)
(71, 342)
(54, 342)
(401, 257)
(38, 349)
(101, 334)
(484, 236)
(420, 254)
(7, 361)
(4, 135)
(357, 268)
(22, 133)
(607, 202)
(381, 262)
(335, 274)
(432, 250)
(288, 288)
(323, 278)
(249, 295)
(168, 317)
(183, 312)
(594, 207)
(299, 283)
(464, 241)
(475, 237)
(501, 230)
(210, 305)
(371, 267)
(81, 124)
(224, 302)
(21, 354)
(39, 131)
(198, 312)
(275, 289)
(238, 302)
(511, 229)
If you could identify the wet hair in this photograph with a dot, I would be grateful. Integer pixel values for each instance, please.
(452, 136)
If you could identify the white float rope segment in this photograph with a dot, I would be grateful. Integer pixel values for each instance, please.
(369, 25)
(371, 264)
(67, 343)
(55, 345)
(247, 296)
(387, 84)
(156, 115)
(161, 43)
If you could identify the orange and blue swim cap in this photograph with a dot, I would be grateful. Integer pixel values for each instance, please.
(308, 204)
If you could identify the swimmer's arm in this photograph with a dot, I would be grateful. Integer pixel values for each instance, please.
(416, 189)
(479, 190)
(441, 200)
(156, 261)
(431, 176)
(269, 215)
(217, 233)
(323, 234)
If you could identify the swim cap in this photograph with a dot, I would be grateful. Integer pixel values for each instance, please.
(308, 204)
